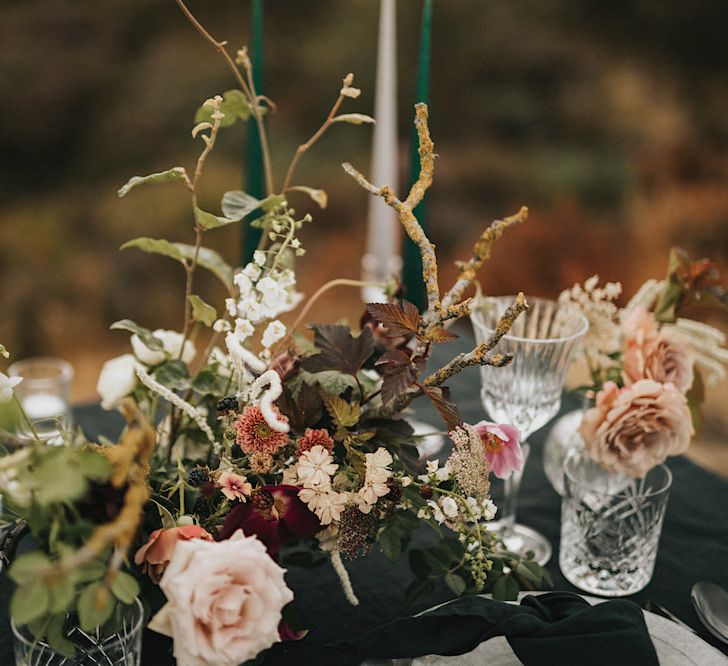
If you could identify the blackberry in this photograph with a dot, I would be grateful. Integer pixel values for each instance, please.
(201, 508)
(228, 404)
(198, 476)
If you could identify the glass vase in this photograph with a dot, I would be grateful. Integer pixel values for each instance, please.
(610, 526)
(117, 643)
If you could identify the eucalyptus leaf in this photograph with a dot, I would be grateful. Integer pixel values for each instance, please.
(28, 565)
(202, 311)
(319, 196)
(209, 221)
(62, 594)
(455, 583)
(354, 118)
(176, 173)
(173, 374)
(29, 602)
(95, 605)
(124, 587)
(236, 204)
(234, 106)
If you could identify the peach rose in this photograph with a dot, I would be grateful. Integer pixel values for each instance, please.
(630, 430)
(651, 353)
(224, 601)
(155, 554)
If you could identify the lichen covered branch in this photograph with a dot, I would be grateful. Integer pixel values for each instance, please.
(481, 252)
(404, 209)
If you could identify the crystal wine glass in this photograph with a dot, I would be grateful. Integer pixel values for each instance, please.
(527, 392)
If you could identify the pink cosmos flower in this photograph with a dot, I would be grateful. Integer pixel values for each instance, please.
(155, 554)
(234, 486)
(502, 447)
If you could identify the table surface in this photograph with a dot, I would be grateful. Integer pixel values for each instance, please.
(693, 547)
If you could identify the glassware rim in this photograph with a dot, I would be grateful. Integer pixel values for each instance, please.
(133, 629)
(476, 319)
(582, 455)
(66, 372)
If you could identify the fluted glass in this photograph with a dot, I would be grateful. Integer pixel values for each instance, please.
(527, 392)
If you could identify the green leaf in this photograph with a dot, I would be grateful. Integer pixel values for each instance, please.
(124, 587)
(455, 583)
(505, 588)
(57, 639)
(28, 565)
(236, 204)
(176, 173)
(93, 465)
(57, 478)
(353, 118)
(95, 605)
(29, 602)
(419, 589)
(390, 541)
(234, 105)
(270, 203)
(207, 258)
(62, 595)
(202, 311)
(319, 196)
(209, 221)
(173, 374)
(208, 382)
(144, 334)
(344, 414)
(417, 563)
(93, 570)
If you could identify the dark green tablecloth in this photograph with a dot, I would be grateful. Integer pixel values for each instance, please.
(694, 546)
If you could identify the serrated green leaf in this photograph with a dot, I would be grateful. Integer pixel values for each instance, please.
(236, 204)
(209, 221)
(93, 465)
(124, 587)
(173, 374)
(144, 334)
(234, 106)
(202, 311)
(62, 594)
(354, 118)
(28, 565)
(176, 173)
(455, 583)
(29, 602)
(318, 196)
(344, 414)
(95, 605)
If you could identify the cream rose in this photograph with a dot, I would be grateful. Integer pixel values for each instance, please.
(117, 380)
(630, 430)
(651, 353)
(224, 601)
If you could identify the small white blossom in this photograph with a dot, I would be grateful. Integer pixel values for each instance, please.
(489, 509)
(273, 332)
(437, 513)
(7, 384)
(259, 258)
(449, 507)
(221, 326)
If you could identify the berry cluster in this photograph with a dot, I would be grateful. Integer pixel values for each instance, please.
(228, 404)
(198, 476)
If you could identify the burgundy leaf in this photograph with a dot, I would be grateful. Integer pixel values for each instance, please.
(440, 398)
(399, 372)
(398, 318)
(340, 350)
(441, 334)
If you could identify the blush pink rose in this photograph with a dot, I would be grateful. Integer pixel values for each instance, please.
(224, 601)
(502, 447)
(156, 553)
(630, 430)
(652, 353)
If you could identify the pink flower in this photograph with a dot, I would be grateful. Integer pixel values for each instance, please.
(311, 438)
(155, 554)
(234, 486)
(652, 353)
(630, 430)
(254, 433)
(224, 601)
(275, 515)
(502, 447)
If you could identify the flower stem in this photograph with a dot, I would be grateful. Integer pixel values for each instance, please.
(25, 416)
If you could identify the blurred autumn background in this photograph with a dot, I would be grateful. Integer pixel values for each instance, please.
(609, 120)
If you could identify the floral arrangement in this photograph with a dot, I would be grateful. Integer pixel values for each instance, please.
(263, 449)
(649, 364)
